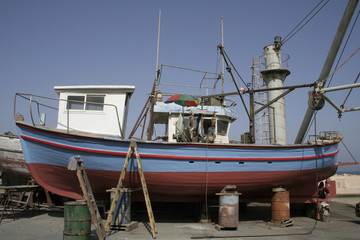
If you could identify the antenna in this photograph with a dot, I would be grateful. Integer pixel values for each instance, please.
(158, 47)
(223, 64)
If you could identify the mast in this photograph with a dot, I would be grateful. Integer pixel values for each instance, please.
(154, 90)
(318, 101)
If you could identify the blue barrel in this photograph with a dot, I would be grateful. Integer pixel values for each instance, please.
(123, 208)
(77, 221)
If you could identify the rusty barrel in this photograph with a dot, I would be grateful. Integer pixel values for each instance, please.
(229, 210)
(229, 207)
(77, 221)
(280, 205)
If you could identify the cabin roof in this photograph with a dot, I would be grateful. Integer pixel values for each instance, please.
(96, 88)
(162, 107)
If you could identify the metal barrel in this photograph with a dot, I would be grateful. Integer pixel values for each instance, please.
(77, 221)
(280, 205)
(123, 207)
(229, 210)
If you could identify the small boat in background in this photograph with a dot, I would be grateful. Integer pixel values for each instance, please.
(13, 168)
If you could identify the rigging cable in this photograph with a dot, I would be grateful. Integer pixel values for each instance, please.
(346, 42)
(342, 105)
(333, 72)
(288, 37)
(352, 156)
(232, 65)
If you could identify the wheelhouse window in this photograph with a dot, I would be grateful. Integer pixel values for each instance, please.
(207, 125)
(88, 102)
(95, 103)
(222, 127)
(76, 102)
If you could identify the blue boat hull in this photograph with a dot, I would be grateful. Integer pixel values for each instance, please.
(176, 171)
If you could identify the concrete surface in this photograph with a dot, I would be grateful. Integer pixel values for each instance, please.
(181, 222)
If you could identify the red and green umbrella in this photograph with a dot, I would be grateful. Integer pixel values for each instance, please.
(184, 100)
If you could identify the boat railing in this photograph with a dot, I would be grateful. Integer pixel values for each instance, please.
(39, 101)
(326, 137)
(284, 62)
(207, 84)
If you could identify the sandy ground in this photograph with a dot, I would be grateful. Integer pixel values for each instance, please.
(177, 224)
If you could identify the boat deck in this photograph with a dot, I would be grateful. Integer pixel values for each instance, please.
(180, 222)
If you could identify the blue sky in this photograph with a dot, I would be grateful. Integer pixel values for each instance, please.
(48, 43)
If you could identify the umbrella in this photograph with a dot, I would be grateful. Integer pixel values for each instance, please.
(184, 100)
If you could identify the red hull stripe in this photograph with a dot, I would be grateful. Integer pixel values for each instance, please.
(345, 164)
(97, 151)
(69, 135)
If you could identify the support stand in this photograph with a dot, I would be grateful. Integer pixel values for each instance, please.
(280, 208)
(133, 147)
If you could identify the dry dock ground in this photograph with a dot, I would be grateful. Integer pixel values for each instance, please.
(181, 222)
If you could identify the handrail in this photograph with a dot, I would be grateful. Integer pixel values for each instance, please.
(283, 61)
(31, 115)
(30, 97)
(200, 87)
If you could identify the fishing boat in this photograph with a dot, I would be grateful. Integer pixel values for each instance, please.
(193, 159)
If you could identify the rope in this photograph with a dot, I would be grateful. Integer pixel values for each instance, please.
(316, 175)
(349, 151)
(347, 40)
(287, 38)
(206, 184)
(208, 236)
(311, 123)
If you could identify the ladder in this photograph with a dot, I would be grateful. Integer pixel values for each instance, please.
(76, 162)
(261, 98)
(133, 147)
